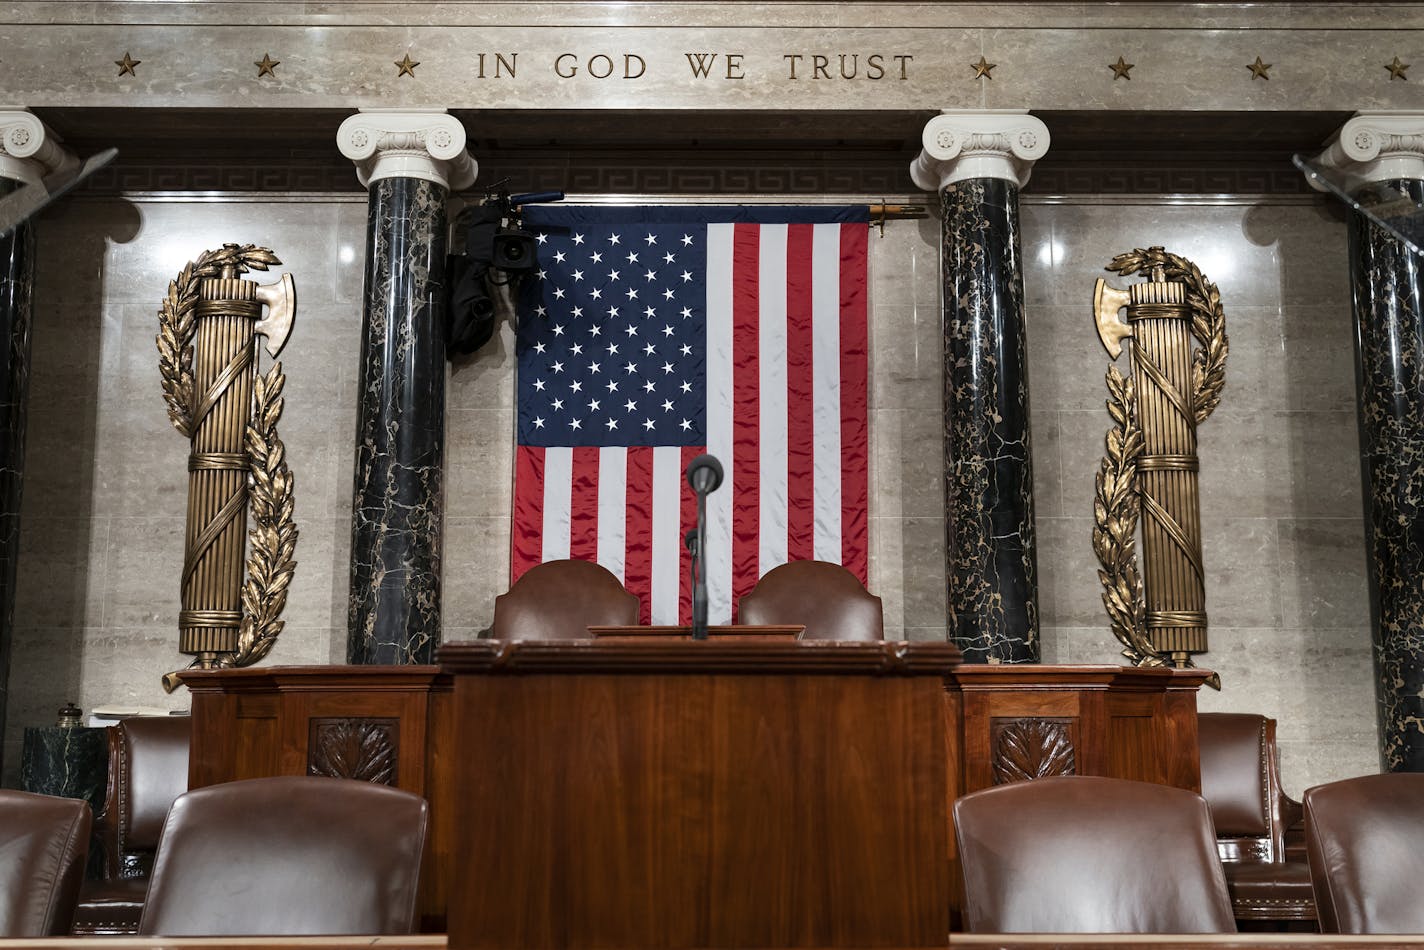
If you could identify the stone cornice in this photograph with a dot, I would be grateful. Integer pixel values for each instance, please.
(1374, 147)
(28, 150)
(705, 56)
(399, 144)
(964, 145)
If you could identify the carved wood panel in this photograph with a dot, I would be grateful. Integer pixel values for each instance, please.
(361, 749)
(1032, 748)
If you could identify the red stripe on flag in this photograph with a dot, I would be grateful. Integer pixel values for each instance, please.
(583, 508)
(746, 251)
(800, 396)
(526, 540)
(638, 558)
(688, 518)
(855, 370)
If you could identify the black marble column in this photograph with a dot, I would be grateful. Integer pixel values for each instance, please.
(993, 588)
(399, 491)
(17, 255)
(1388, 304)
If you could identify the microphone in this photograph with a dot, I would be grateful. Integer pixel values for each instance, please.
(704, 474)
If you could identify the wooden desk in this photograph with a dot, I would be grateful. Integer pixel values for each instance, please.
(397, 725)
(679, 794)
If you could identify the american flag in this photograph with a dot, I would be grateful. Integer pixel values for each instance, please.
(651, 335)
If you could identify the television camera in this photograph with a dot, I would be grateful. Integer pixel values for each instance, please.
(498, 251)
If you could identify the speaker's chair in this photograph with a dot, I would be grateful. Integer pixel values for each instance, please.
(560, 600)
(828, 599)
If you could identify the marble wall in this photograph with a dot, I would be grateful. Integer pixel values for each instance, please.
(102, 528)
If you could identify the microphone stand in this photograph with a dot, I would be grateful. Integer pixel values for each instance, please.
(704, 474)
(699, 572)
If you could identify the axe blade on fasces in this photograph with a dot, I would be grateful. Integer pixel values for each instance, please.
(1112, 329)
(280, 299)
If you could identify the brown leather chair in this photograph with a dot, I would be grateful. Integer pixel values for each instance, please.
(1365, 839)
(43, 844)
(560, 600)
(288, 856)
(148, 769)
(1084, 854)
(826, 598)
(1241, 782)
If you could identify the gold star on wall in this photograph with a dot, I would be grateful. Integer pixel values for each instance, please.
(1260, 70)
(1120, 69)
(406, 66)
(1397, 70)
(127, 64)
(267, 66)
(983, 68)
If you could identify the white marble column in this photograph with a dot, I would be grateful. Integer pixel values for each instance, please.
(977, 162)
(409, 161)
(28, 152)
(1380, 159)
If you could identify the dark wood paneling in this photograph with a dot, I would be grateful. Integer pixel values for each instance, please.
(791, 798)
(637, 790)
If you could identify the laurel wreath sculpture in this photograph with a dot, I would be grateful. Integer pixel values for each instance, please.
(1115, 503)
(272, 537)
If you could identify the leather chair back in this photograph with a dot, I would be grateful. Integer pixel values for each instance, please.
(43, 843)
(1365, 841)
(560, 600)
(1080, 854)
(295, 855)
(148, 769)
(1241, 782)
(828, 599)
(1236, 773)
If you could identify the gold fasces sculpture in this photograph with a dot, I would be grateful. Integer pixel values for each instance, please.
(216, 397)
(1150, 470)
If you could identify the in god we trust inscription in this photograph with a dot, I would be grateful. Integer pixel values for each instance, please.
(719, 65)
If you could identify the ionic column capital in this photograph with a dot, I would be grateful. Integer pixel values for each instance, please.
(961, 145)
(28, 149)
(387, 143)
(1371, 147)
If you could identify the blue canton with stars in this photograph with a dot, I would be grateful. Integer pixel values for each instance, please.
(611, 342)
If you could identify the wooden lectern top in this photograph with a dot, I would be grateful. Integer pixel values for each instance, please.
(722, 655)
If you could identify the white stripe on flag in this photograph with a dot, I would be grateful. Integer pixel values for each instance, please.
(771, 396)
(719, 420)
(667, 532)
(612, 507)
(826, 388)
(558, 501)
